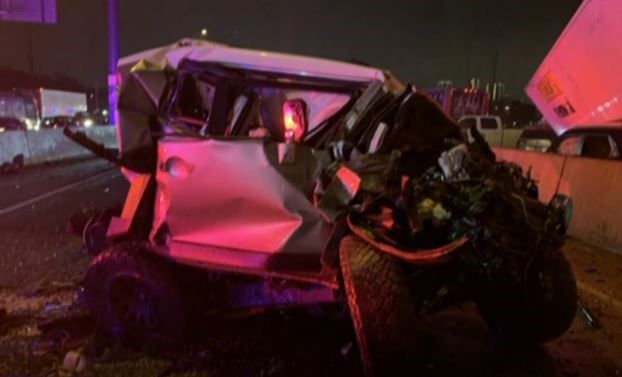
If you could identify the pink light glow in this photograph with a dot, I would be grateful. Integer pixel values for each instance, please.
(577, 82)
(294, 119)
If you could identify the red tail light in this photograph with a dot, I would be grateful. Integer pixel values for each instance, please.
(294, 119)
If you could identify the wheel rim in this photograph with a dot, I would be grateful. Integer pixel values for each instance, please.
(135, 307)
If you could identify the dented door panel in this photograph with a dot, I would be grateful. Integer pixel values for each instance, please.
(235, 194)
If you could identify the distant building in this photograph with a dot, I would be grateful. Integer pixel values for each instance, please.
(445, 84)
(497, 92)
(474, 83)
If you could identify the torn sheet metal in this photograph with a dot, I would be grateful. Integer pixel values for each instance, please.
(367, 172)
(138, 106)
(205, 51)
(339, 193)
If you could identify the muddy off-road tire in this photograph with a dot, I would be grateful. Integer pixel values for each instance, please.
(540, 311)
(381, 309)
(135, 298)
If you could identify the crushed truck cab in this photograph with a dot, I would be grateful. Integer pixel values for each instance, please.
(222, 196)
(272, 180)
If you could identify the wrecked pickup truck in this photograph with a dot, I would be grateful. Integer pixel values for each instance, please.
(261, 179)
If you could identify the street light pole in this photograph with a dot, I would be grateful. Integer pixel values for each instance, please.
(31, 50)
(113, 57)
(493, 87)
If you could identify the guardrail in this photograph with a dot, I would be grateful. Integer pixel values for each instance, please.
(594, 185)
(50, 145)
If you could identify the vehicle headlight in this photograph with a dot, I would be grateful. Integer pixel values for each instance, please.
(88, 122)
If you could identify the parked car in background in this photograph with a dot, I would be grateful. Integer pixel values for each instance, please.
(58, 122)
(536, 139)
(12, 124)
(492, 129)
(83, 119)
(593, 141)
(20, 107)
(101, 118)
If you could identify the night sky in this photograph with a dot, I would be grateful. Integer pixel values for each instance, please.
(422, 41)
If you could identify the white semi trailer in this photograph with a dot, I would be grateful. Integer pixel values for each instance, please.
(54, 103)
(580, 81)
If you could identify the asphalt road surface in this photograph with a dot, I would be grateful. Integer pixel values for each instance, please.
(41, 266)
(35, 206)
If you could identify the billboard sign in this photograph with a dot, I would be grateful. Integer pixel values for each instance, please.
(36, 11)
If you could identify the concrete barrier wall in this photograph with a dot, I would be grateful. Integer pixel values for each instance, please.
(13, 143)
(596, 188)
(50, 145)
(546, 169)
(594, 185)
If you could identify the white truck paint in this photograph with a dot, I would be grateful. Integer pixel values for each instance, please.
(19, 106)
(61, 103)
(579, 83)
(492, 129)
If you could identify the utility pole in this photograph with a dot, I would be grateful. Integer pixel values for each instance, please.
(493, 85)
(113, 57)
(470, 32)
(96, 97)
(31, 50)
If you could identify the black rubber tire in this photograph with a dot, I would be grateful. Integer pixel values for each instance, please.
(381, 308)
(135, 298)
(538, 312)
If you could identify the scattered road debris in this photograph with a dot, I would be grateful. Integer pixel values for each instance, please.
(588, 316)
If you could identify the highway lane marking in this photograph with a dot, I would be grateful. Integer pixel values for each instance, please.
(599, 294)
(57, 191)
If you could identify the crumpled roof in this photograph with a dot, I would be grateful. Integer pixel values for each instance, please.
(204, 51)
